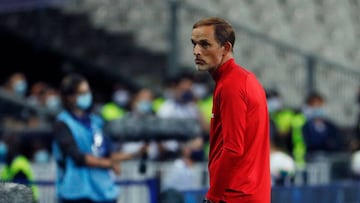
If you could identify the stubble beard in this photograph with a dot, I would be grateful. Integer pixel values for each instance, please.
(200, 68)
(197, 67)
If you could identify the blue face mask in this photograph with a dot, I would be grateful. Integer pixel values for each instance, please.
(53, 103)
(315, 112)
(41, 156)
(274, 104)
(84, 101)
(20, 87)
(144, 107)
(121, 97)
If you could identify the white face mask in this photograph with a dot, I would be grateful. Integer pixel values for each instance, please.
(274, 104)
(314, 112)
(200, 90)
(53, 103)
(121, 97)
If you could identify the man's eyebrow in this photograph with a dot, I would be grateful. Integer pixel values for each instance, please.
(204, 41)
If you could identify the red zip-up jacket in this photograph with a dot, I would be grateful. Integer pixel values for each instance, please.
(239, 165)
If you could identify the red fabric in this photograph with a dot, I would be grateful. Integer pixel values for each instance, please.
(239, 165)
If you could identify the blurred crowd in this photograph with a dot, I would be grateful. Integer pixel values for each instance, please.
(298, 134)
(304, 135)
(184, 97)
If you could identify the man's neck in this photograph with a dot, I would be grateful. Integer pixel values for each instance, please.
(224, 60)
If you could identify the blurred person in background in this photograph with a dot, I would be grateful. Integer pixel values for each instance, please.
(239, 158)
(21, 111)
(40, 152)
(182, 175)
(15, 115)
(202, 91)
(17, 166)
(141, 106)
(48, 99)
(286, 125)
(36, 93)
(282, 165)
(45, 96)
(17, 85)
(322, 137)
(183, 102)
(119, 105)
(52, 100)
(142, 103)
(319, 132)
(166, 93)
(86, 163)
(281, 118)
(181, 106)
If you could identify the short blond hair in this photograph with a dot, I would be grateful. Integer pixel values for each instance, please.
(224, 32)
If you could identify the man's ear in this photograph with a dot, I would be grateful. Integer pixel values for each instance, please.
(227, 47)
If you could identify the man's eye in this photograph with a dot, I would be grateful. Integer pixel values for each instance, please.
(193, 43)
(205, 45)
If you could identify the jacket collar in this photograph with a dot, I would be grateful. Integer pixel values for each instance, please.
(223, 69)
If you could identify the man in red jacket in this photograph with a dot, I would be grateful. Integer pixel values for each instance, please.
(239, 165)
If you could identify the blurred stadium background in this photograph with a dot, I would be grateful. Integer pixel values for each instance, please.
(293, 46)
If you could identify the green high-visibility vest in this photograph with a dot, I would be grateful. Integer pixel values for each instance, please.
(111, 111)
(157, 103)
(288, 121)
(205, 106)
(283, 120)
(299, 150)
(20, 164)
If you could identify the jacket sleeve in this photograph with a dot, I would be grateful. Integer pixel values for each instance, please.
(233, 110)
(67, 144)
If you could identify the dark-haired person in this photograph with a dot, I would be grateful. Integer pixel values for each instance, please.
(320, 133)
(239, 165)
(17, 167)
(86, 165)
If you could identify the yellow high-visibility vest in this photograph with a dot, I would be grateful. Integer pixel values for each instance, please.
(20, 164)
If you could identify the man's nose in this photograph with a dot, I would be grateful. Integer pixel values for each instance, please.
(196, 50)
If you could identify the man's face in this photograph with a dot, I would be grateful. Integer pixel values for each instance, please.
(207, 51)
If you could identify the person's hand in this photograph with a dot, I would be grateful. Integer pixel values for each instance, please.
(144, 149)
(116, 168)
(141, 152)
